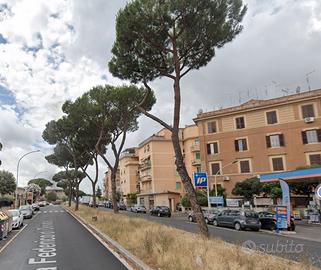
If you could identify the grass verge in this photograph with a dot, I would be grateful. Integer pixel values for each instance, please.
(162, 247)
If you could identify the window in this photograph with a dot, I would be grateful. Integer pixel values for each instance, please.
(315, 159)
(307, 111)
(197, 141)
(197, 155)
(245, 166)
(271, 117)
(311, 136)
(240, 145)
(212, 148)
(277, 164)
(239, 122)
(276, 140)
(211, 127)
(178, 185)
(215, 168)
(198, 169)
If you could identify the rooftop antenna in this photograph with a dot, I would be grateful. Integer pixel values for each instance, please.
(298, 90)
(240, 99)
(285, 91)
(308, 79)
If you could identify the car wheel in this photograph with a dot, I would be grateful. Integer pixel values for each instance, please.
(255, 230)
(169, 216)
(206, 220)
(190, 219)
(237, 226)
(215, 223)
(158, 214)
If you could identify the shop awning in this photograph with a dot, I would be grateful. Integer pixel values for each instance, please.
(291, 175)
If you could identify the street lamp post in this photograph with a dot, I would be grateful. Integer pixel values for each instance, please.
(35, 151)
(215, 182)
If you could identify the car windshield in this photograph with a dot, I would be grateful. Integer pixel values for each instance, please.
(24, 207)
(164, 207)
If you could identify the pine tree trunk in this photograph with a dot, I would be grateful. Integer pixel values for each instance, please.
(70, 194)
(77, 197)
(113, 191)
(94, 193)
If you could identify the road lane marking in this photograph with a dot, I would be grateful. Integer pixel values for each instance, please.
(46, 249)
(62, 211)
(13, 238)
(45, 212)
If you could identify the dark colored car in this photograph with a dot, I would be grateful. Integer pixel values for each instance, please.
(108, 204)
(160, 211)
(122, 206)
(238, 219)
(268, 221)
(35, 206)
(209, 215)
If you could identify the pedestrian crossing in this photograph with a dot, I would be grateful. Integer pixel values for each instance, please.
(52, 211)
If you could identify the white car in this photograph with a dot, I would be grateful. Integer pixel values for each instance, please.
(138, 209)
(17, 218)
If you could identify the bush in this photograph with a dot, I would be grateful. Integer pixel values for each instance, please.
(201, 199)
(51, 197)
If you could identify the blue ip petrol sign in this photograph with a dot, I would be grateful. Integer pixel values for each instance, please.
(200, 179)
(318, 192)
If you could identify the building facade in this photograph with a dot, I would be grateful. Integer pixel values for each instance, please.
(107, 184)
(260, 136)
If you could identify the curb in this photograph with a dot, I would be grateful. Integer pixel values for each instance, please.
(115, 246)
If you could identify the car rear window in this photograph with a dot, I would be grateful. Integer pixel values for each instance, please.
(251, 214)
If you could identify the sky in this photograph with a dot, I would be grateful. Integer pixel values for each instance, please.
(52, 51)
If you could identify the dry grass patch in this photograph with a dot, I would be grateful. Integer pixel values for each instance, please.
(163, 247)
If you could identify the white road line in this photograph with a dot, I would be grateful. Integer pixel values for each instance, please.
(45, 211)
(62, 211)
(56, 211)
(50, 211)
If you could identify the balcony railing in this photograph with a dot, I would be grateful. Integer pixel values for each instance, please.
(195, 148)
(196, 162)
(145, 178)
(145, 165)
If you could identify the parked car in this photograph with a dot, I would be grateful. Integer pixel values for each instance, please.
(179, 207)
(17, 218)
(35, 206)
(26, 211)
(122, 206)
(268, 221)
(209, 215)
(138, 209)
(161, 211)
(109, 204)
(42, 203)
(238, 219)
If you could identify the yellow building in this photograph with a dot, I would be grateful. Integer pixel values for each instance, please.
(107, 184)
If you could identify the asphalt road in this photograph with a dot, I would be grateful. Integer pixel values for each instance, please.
(288, 247)
(54, 240)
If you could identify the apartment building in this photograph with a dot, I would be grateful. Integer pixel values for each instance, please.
(260, 136)
(107, 184)
(128, 173)
(158, 181)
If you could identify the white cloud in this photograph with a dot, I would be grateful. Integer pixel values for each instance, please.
(56, 50)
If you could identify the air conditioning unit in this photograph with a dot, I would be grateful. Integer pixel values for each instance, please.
(309, 119)
(226, 178)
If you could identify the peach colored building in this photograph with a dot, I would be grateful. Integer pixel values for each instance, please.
(128, 172)
(158, 180)
(107, 184)
(260, 136)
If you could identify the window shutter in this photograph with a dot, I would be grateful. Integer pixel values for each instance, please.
(268, 142)
(208, 149)
(304, 137)
(244, 144)
(281, 138)
(236, 145)
(319, 135)
(215, 147)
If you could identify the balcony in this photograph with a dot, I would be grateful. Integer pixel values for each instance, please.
(196, 162)
(145, 165)
(195, 148)
(145, 178)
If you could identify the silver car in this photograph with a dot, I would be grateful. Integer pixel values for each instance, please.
(17, 218)
(26, 211)
(138, 209)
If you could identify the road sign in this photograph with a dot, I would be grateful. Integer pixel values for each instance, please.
(216, 200)
(233, 202)
(200, 179)
(318, 192)
(281, 217)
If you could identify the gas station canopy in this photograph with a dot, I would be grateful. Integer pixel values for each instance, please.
(291, 175)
